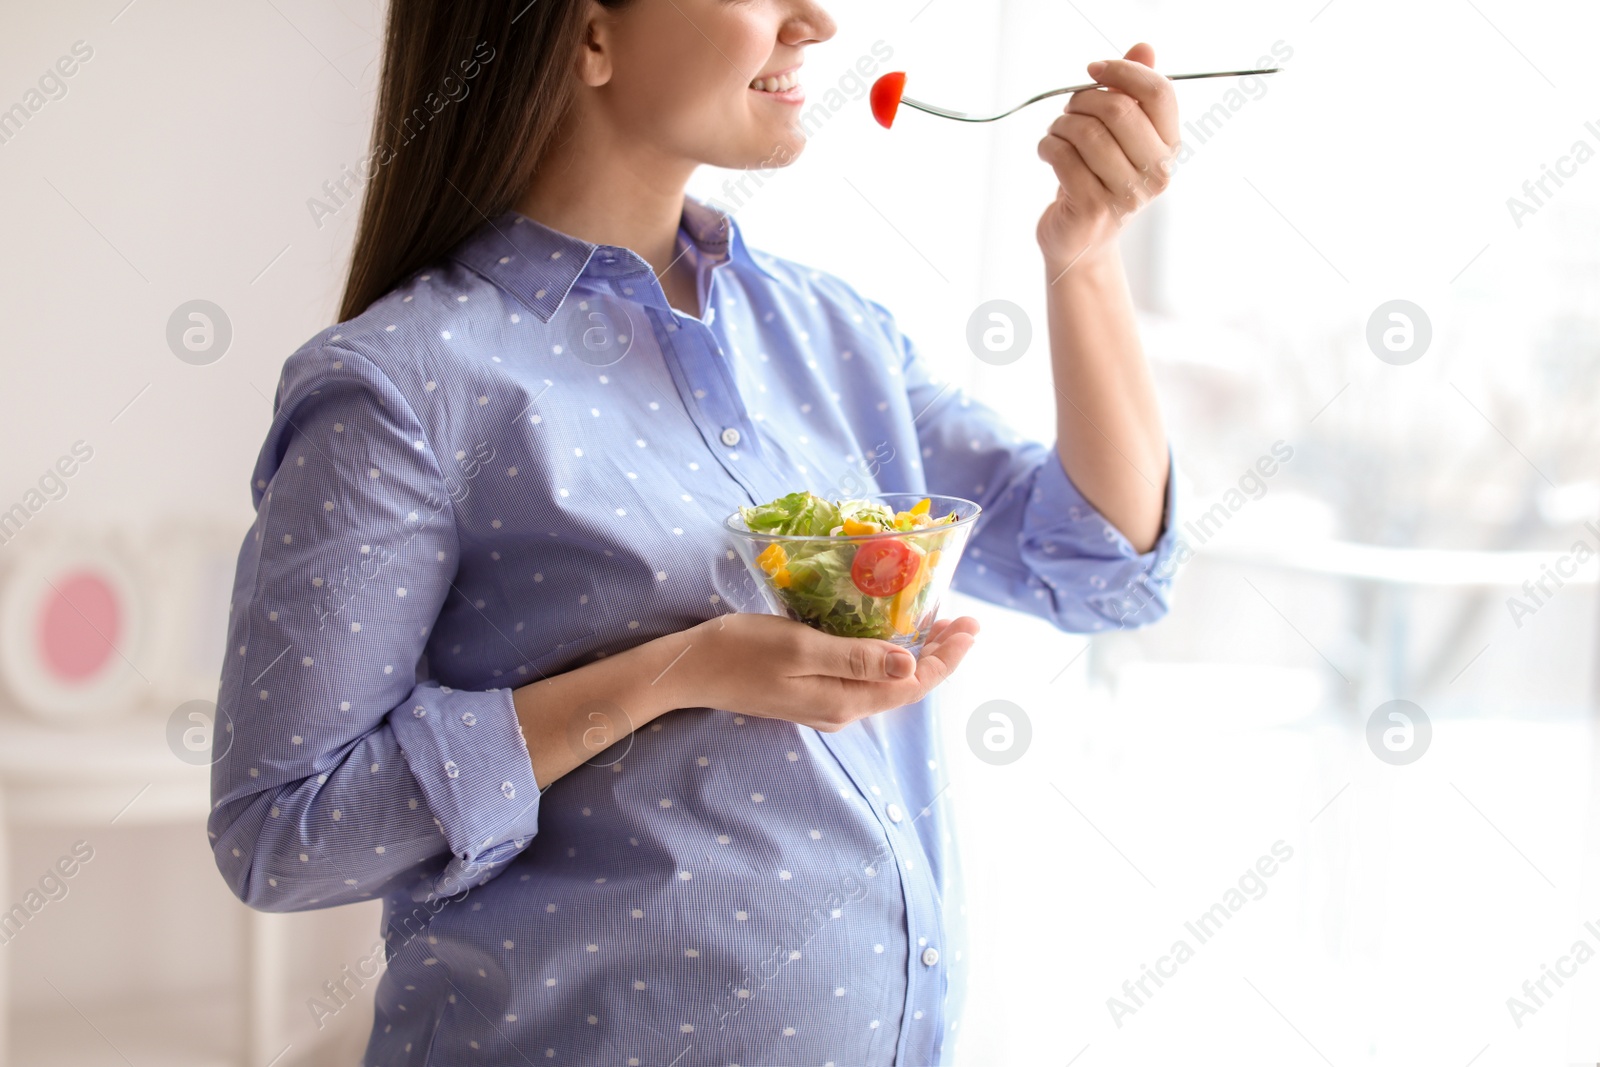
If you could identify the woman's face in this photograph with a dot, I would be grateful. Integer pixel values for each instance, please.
(679, 75)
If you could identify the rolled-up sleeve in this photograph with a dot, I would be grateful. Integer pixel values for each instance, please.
(1039, 546)
(339, 768)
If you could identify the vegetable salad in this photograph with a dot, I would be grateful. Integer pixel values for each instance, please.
(871, 588)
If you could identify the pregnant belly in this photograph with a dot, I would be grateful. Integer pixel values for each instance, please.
(714, 891)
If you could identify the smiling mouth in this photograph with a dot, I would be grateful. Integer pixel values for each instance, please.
(778, 84)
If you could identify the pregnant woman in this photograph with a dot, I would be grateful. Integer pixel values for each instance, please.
(486, 660)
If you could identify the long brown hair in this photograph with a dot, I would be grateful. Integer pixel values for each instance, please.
(472, 94)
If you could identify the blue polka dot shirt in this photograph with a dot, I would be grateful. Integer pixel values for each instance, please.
(519, 461)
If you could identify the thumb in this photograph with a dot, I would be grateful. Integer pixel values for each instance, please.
(862, 659)
(1142, 53)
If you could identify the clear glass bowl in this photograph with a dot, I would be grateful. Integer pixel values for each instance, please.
(884, 585)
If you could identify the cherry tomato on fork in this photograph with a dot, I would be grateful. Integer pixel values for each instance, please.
(886, 94)
(883, 568)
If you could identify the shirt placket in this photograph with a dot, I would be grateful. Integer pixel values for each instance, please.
(696, 359)
(698, 363)
(922, 1015)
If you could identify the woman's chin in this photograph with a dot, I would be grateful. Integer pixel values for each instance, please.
(769, 151)
(782, 147)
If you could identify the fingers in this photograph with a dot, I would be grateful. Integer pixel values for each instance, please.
(1081, 187)
(1134, 135)
(956, 633)
(845, 697)
(1102, 155)
(1153, 91)
(938, 631)
(964, 624)
(1142, 53)
(939, 661)
(944, 651)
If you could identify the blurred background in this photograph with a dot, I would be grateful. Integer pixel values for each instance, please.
(1430, 472)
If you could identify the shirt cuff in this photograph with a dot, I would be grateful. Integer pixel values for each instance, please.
(1127, 588)
(468, 755)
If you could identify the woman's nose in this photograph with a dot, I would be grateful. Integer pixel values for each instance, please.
(810, 24)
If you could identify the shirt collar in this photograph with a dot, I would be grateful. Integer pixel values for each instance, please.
(539, 265)
(716, 233)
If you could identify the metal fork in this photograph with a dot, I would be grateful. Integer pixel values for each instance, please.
(961, 116)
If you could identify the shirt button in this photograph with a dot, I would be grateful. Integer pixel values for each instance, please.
(730, 437)
(894, 813)
(930, 956)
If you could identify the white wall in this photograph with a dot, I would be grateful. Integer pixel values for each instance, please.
(176, 167)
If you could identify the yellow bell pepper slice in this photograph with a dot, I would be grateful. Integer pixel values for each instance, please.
(782, 579)
(900, 607)
(922, 506)
(773, 558)
(852, 528)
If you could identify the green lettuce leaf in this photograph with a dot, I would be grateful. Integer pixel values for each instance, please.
(801, 514)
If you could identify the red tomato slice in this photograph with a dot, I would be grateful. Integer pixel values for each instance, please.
(883, 568)
(886, 93)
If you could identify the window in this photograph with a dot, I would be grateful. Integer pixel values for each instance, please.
(1440, 155)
